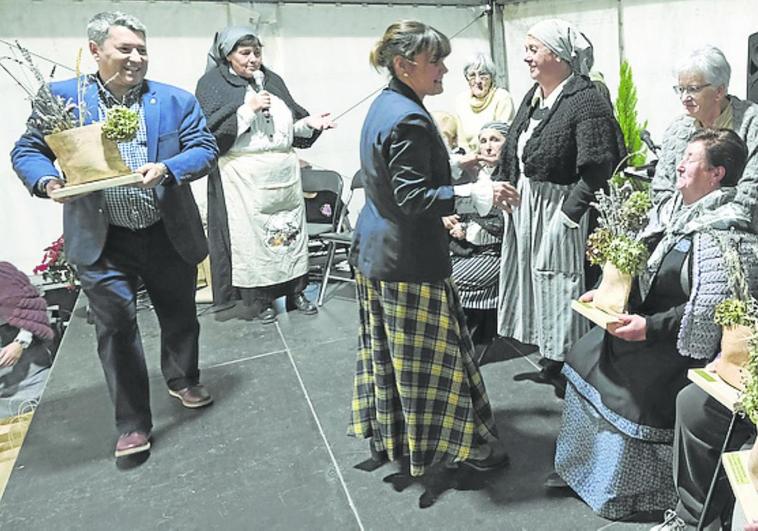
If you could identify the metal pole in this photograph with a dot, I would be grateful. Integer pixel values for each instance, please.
(714, 479)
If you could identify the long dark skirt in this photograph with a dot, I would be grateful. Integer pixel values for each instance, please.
(417, 390)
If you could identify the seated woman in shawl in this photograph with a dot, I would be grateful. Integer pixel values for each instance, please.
(24, 337)
(256, 211)
(615, 445)
(476, 230)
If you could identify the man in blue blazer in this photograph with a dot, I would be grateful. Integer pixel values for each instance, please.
(150, 232)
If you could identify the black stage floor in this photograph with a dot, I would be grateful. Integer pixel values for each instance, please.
(271, 453)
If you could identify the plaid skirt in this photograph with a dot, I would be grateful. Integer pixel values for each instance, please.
(417, 390)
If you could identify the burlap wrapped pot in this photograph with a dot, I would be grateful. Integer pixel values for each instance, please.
(612, 295)
(734, 355)
(85, 155)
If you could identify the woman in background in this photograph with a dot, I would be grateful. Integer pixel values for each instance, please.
(482, 103)
(25, 335)
(417, 391)
(702, 86)
(256, 211)
(476, 230)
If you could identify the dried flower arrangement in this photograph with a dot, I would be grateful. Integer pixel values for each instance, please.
(623, 213)
(51, 114)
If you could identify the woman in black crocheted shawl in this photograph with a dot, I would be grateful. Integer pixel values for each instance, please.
(256, 215)
(562, 147)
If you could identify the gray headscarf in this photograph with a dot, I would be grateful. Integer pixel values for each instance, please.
(566, 42)
(500, 127)
(224, 42)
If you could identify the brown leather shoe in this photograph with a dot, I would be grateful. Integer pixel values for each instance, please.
(132, 442)
(193, 397)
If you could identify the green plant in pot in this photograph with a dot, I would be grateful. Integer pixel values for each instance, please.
(626, 115)
(615, 244)
(737, 364)
(748, 403)
(738, 327)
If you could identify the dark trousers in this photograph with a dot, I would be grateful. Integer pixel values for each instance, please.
(701, 425)
(111, 287)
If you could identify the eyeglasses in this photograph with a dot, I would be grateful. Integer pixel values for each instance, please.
(689, 89)
(484, 76)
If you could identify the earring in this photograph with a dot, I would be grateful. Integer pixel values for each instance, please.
(405, 74)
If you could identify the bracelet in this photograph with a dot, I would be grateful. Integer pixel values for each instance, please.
(24, 344)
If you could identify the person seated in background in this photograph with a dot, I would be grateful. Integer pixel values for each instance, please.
(614, 448)
(702, 86)
(462, 162)
(701, 425)
(25, 333)
(483, 102)
(476, 231)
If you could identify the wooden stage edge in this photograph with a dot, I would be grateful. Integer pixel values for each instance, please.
(12, 433)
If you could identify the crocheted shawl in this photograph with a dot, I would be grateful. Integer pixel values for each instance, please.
(21, 305)
(699, 336)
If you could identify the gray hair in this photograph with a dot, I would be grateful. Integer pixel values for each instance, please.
(98, 26)
(710, 62)
(480, 63)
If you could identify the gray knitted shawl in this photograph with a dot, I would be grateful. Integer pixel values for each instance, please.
(699, 337)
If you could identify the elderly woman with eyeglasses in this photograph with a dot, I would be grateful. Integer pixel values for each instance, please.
(482, 103)
(702, 86)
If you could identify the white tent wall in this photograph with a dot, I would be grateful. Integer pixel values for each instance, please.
(322, 53)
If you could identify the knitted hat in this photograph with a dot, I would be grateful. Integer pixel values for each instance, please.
(21, 305)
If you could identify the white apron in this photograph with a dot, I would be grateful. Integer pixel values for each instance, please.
(266, 215)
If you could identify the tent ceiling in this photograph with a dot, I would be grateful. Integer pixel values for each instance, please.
(466, 3)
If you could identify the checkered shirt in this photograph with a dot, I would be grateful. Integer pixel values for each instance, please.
(129, 206)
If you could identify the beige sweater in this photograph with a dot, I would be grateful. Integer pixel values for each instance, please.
(500, 109)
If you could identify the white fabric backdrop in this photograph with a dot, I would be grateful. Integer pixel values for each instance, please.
(322, 53)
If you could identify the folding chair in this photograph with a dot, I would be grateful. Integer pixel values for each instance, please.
(341, 236)
(323, 204)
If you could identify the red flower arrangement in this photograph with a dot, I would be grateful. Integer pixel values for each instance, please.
(54, 267)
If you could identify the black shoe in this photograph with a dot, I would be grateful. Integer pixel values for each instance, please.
(498, 458)
(550, 368)
(267, 315)
(554, 481)
(304, 305)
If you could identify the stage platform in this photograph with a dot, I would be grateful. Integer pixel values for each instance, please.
(271, 452)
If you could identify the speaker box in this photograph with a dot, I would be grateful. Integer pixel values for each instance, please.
(752, 68)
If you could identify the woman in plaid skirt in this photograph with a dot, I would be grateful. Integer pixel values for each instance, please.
(417, 391)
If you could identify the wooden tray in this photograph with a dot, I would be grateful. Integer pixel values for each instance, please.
(735, 464)
(712, 384)
(93, 186)
(594, 314)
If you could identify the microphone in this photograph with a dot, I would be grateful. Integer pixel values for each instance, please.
(645, 137)
(259, 76)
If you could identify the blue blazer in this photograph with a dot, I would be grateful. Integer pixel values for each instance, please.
(399, 234)
(176, 136)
